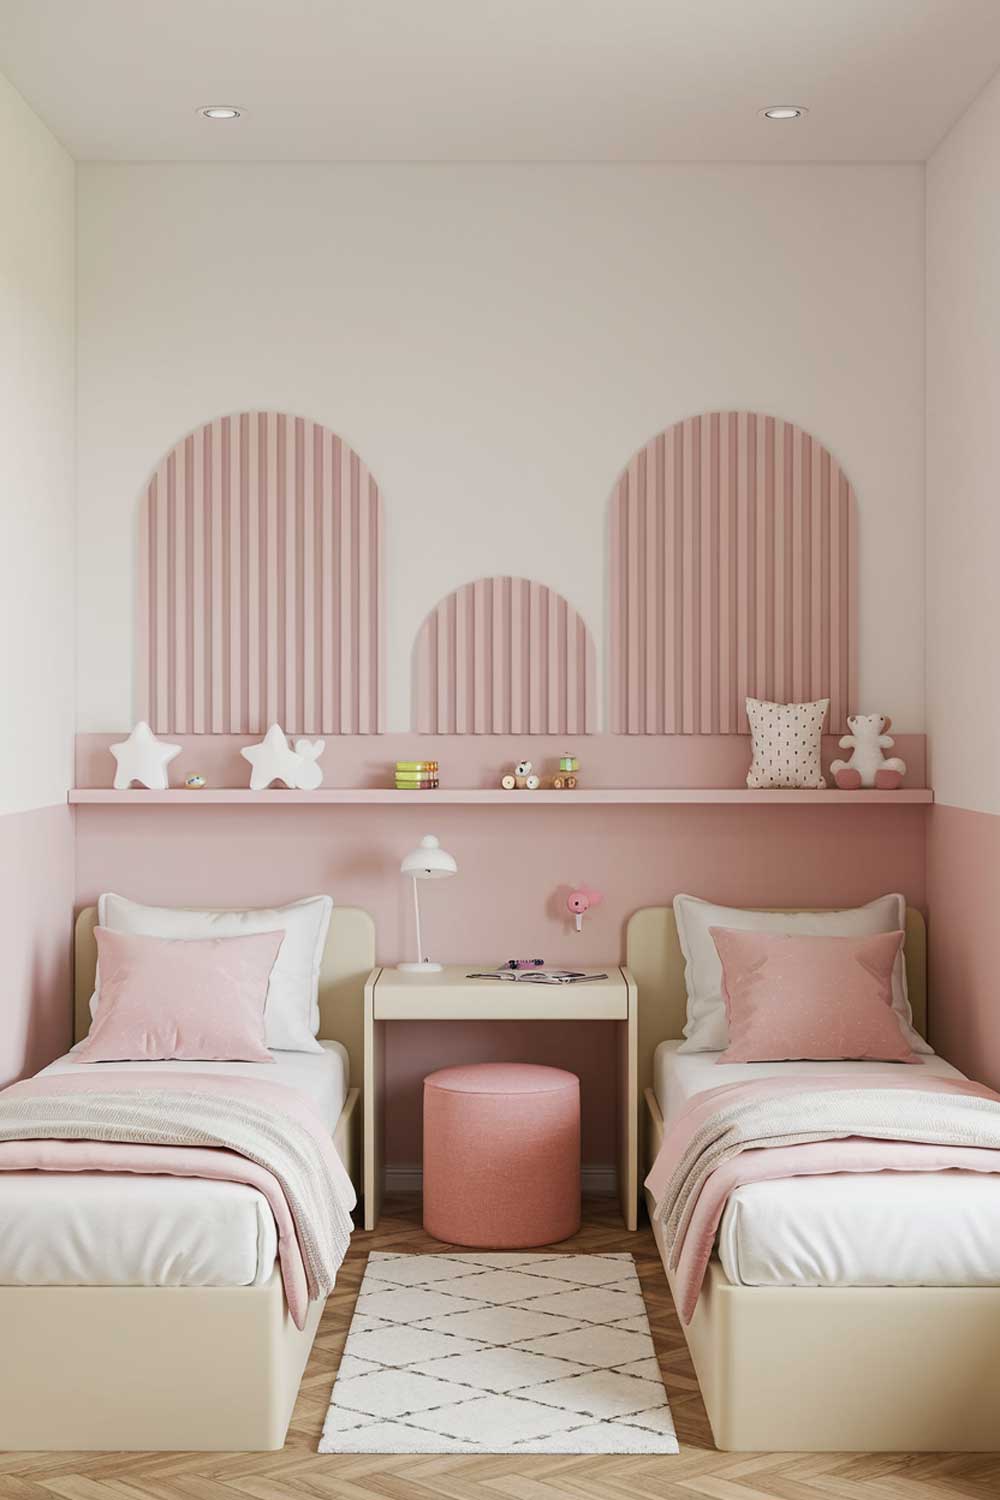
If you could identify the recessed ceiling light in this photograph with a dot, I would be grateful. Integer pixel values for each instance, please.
(784, 112)
(220, 112)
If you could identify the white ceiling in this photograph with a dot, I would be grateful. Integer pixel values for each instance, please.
(500, 80)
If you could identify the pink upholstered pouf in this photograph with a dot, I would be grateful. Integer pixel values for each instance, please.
(501, 1155)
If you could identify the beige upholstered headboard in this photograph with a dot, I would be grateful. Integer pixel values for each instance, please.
(348, 959)
(654, 956)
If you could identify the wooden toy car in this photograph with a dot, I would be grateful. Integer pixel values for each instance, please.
(565, 778)
(522, 778)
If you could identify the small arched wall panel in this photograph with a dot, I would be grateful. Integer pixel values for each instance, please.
(732, 574)
(504, 656)
(260, 593)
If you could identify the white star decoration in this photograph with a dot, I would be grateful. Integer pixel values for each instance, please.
(143, 758)
(273, 760)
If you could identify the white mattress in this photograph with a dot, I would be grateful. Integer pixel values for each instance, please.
(857, 1229)
(105, 1229)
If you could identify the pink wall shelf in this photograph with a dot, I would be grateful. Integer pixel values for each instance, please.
(489, 797)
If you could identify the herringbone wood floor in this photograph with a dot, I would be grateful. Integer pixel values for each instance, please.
(299, 1471)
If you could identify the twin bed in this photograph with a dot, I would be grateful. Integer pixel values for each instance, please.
(188, 1343)
(843, 1311)
(798, 1342)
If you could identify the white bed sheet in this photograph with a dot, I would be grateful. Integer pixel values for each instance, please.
(858, 1229)
(106, 1229)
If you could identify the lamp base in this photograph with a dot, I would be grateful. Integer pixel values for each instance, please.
(424, 967)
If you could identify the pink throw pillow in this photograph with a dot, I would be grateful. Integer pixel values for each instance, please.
(167, 998)
(814, 998)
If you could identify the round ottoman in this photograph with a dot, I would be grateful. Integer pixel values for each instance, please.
(501, 1155)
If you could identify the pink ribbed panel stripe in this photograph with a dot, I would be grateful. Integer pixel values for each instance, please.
(733, 556)
(260, 583)
(251, 441)
(504, 656)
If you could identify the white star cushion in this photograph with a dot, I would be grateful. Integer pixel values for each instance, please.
(143, 758)
(273, 759)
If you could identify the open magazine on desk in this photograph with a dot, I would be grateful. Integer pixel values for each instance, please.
(538, 976)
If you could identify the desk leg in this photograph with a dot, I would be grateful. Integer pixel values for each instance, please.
(374, 1097)
(628, 1108)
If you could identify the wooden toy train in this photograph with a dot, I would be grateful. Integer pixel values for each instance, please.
(524, 779)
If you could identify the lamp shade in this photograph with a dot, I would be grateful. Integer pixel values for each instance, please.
(429, 861)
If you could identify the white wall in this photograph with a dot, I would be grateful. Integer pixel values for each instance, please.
(496, 341)
(963, 458)
(36, 459)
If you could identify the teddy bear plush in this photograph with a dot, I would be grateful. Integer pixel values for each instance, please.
(867, 765)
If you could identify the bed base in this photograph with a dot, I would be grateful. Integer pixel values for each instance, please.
(168, 1369)
(161, 1368)
(150, 1368)
(842, 1369)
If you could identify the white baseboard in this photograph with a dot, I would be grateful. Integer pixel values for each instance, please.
(595, 1181)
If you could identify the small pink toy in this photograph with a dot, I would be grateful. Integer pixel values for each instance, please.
(579, 902)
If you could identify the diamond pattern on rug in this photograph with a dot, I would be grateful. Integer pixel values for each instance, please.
(499, 1353)
(498, 1286)
(500, 1325)
(601, 1347)
(410, 1304)
(497, 1370)
(589, 1304)
(404, 1346)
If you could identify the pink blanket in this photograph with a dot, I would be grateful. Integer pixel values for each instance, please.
(232, 1129)
(797, 1126)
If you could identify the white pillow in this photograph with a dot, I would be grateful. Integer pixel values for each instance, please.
(787, 743)
(291, 1012)
(706, 1029)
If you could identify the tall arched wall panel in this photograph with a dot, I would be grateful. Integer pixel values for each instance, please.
(260, 589)
(732, 574)
(504, 656)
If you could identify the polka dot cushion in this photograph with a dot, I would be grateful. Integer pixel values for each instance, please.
(786, 743)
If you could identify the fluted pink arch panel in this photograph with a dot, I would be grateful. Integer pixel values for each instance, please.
(732, 574)
(504, 656)
(260, 583)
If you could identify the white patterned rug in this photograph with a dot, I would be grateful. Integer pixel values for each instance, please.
(499, 1353)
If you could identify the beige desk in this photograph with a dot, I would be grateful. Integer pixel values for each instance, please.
(452, 996)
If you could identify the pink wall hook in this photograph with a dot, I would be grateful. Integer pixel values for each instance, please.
(579, 902)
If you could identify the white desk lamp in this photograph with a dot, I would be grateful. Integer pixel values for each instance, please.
(429, 862)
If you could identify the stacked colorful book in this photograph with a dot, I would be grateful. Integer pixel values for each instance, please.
(416, 775)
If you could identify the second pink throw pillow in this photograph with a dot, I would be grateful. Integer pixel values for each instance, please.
(810, 998)
(169, 998)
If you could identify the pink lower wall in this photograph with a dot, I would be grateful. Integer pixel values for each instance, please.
(963, 896)
(515, 863)
(36, 925)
